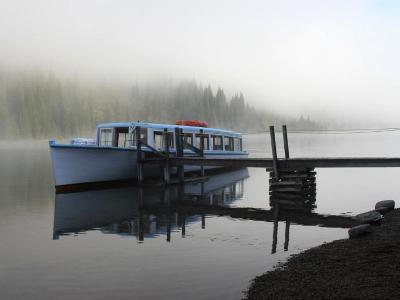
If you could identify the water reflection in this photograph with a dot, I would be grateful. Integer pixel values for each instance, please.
(154, 211)
(294, 190)
(146, 211)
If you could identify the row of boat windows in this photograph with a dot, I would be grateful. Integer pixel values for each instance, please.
(120, 137)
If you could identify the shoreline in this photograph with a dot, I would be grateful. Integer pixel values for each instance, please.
(366, 267)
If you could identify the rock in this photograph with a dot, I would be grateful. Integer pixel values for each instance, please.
(383, 210)
(369, 217)
(385, 203)
(360, 230)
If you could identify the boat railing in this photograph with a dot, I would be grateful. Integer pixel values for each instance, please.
(196, 150)
(153, 150)
(140, 144)
(181, 144)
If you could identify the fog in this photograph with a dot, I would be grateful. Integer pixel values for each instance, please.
(326, 59)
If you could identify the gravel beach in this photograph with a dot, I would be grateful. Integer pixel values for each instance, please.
(367, 267)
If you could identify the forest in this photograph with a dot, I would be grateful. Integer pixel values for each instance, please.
(35, 104)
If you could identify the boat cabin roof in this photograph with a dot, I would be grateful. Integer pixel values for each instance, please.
(193, 129)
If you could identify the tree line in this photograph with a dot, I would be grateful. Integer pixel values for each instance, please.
(42, 105)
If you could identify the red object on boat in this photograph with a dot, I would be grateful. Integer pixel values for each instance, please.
(195, 123)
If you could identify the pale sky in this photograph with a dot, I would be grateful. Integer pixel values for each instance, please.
(310, 57)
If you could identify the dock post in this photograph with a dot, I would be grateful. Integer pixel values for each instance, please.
(285, 141)
(202, 151)
(139, 156)
(169, 222)
(202, 189)
(183, 225)
(141, 229)
(287, 226)
(166, 164)
(140, 215)
(203, 221)
(179, 153)
(274, 155)
(182, 169)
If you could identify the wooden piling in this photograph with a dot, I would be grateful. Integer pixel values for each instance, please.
(183, 220)
(169, 228)
(202, 151)
(202, 190)
(285, 141)
(141, 229)
(140, 197)
(166, 164)
(169, 222)
(139, 156)
(296, 189)
(287, 229)
(179, 153)
(274, 154)
(140, 215)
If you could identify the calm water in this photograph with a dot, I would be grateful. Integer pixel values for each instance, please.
(104, 245)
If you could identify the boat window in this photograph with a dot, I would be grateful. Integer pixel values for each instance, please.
(217, 142)
(206, 140)
(238, 144)
(159, 140)
(228, 142)
(121, 137)
(143, 136)
(106, 137)
(188, 138)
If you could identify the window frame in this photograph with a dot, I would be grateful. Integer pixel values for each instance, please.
(229, 143)
(237, 141)
(206, 139)
(117, 132)
(171, 140)
(214, 137)
(105, 142)
(143, 135)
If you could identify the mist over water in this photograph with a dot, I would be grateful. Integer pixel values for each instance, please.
(335, 60)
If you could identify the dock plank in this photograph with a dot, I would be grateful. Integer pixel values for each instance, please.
(292, 163)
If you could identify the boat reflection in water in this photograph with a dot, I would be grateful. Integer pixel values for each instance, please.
(145, 211)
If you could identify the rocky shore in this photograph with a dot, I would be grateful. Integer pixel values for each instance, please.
(366, 267)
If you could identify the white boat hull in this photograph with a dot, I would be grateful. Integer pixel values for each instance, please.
(87, 164)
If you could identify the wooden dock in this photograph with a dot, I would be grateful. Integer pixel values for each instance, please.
(274, 164)
(291, 179)
(291, 163)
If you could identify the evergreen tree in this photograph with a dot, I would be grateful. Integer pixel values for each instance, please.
(42, 105)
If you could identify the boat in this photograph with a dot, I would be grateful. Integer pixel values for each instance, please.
(112, 154)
